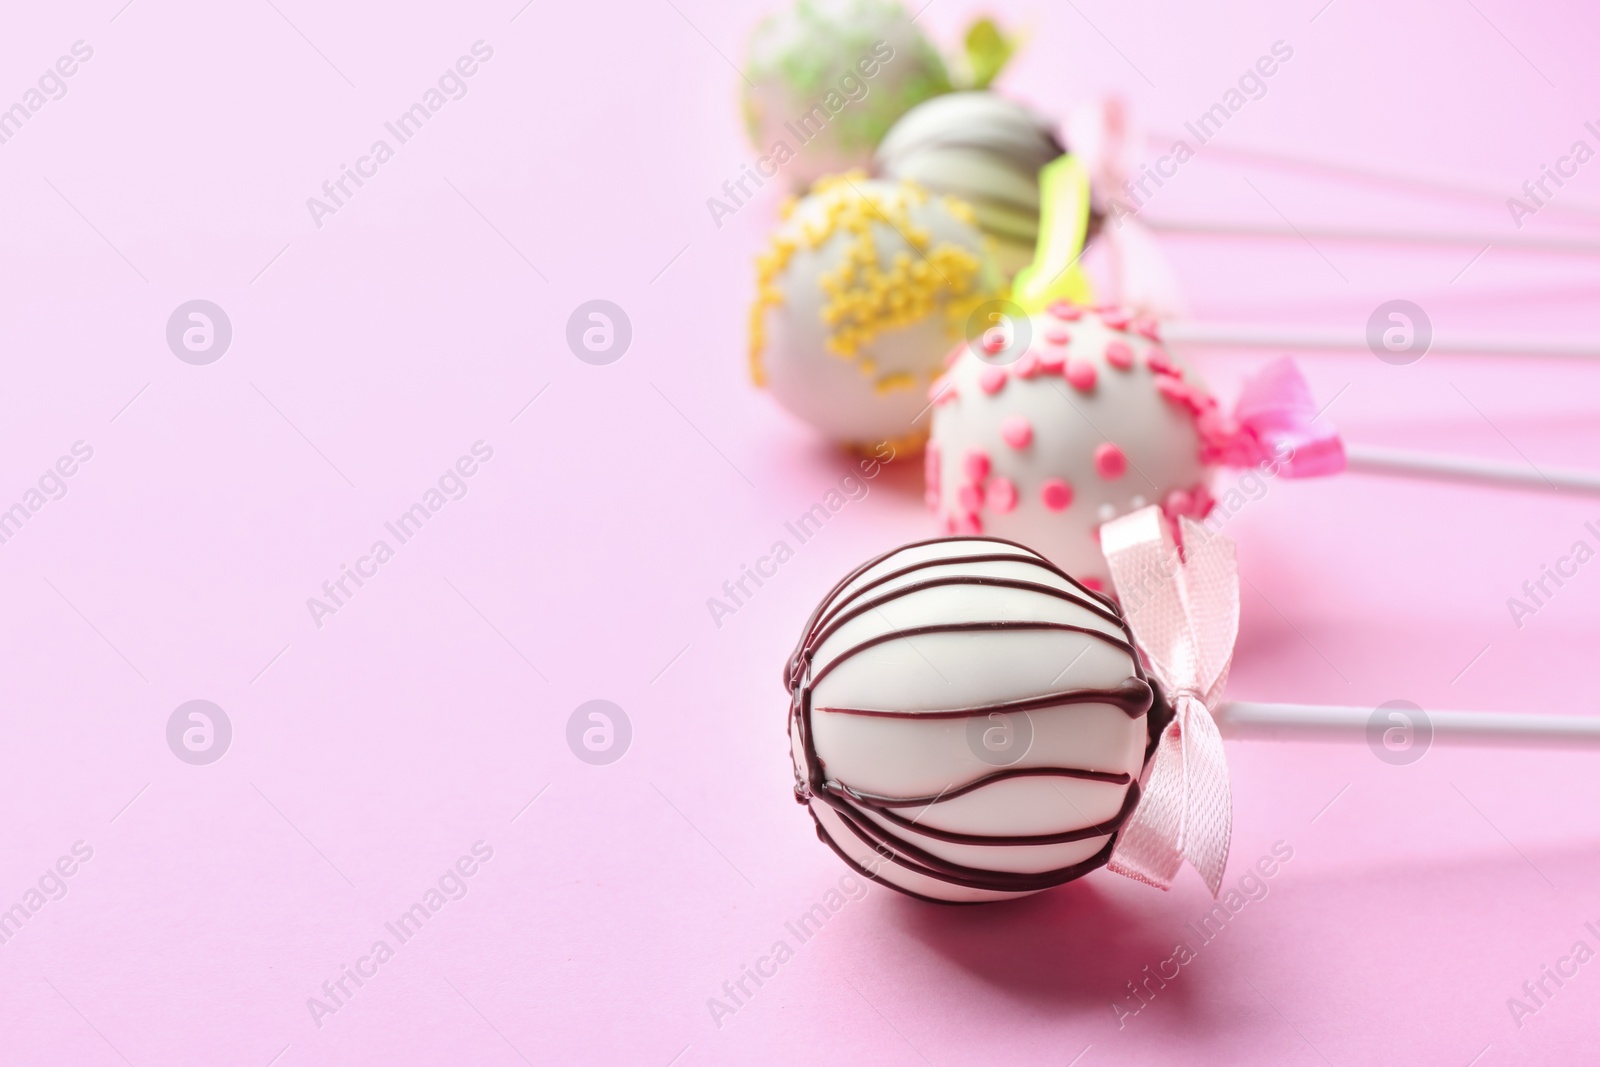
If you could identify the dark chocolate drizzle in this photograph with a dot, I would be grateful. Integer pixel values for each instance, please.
(875, 801)
(1136, 696)
(1133, 696)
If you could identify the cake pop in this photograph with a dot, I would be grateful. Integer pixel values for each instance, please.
(827, 78)
(1092, 421)
(1056, 422)
(985, 149)
(860, 292)
(967, 722)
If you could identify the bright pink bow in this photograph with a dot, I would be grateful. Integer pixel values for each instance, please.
(1274, 421)
(1184, 614)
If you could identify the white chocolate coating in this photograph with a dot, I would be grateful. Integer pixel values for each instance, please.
(1020, 450)
(828, 339)
(968, 723)
(982, 148)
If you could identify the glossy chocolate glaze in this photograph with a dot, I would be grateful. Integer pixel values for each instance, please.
(1136, 696)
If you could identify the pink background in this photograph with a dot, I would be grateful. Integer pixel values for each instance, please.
(370, 753)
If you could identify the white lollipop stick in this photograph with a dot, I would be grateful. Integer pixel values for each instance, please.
(1523, 242)
(1309, 722)
(1369, 460)
(1346, 339)
(1563, 205)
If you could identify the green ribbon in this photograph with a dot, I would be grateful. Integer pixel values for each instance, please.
(1055, 273)
(988, 50)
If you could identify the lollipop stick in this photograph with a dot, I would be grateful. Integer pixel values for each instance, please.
(1375, 175)
(1310, 722)
(1337, 339)
(1523, 242)
(1369, 460)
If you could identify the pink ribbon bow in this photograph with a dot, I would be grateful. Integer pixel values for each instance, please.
(1274, 421)
(1184, 614)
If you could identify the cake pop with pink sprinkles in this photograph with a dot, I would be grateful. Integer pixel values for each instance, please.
(1094, 419)
(1062, 416)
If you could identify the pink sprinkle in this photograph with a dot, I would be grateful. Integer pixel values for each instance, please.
(1094, 584)
(1195, 502)
(994, 339)
(1056, 494)
(1066, 310)
(1081, 374)
(1110, 462)
(971, 523)
(949, 524)
(1116, 318)
(1147, 328)
(955, 354)
(949, 396)
(1028, 365)
(1052, 362)
(1119, 355)
(1177, 390)
(938, 387)
(1002, 495)
(970, 497)
(1157, 360)
(993, 380)
(1016, 431)
(1057, 336)
(977, 465)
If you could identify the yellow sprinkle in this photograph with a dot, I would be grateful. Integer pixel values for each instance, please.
(891, 382)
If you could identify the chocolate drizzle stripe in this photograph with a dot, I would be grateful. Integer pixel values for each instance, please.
(828, 621)
(1134, 696)
(844, 583)
(873, 800)
(855, 865)
(811, 786)
(923, 862)
(951, 561)
(969, 627)
(1083, 833)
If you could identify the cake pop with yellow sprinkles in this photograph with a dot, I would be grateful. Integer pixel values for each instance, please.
(860, 293)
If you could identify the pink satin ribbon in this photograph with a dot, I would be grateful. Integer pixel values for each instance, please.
(1184, 614)
(1275, 420)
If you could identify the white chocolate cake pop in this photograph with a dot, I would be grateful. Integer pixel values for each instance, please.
(982, 148)
(1093, 420)
(968, 723)
(860, 293)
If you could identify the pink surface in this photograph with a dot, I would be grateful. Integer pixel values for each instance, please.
(430, 711)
